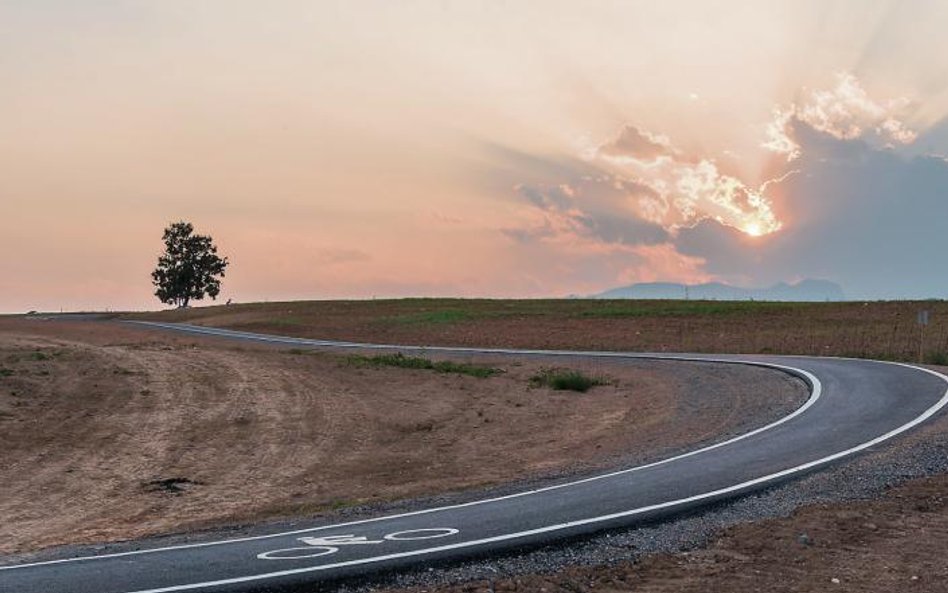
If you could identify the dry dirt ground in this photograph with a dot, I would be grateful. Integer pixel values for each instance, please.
(109, 432)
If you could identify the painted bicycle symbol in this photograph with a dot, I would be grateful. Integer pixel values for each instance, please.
(330, 544)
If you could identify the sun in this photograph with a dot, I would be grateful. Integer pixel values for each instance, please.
(753, 229)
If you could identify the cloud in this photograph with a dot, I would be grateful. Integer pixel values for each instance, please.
(845, 112)
(701, 191)
(445, 218)
(597, 209)
(724, 249)
(550, 199)
(609, 190)
(633, 206)
(663, 263)
(342, 256)
(633, 143)
(685, 189)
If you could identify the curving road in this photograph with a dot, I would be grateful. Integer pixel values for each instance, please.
(854, 405)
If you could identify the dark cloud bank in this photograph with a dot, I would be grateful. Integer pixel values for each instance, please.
(599, 213)
(870, 219)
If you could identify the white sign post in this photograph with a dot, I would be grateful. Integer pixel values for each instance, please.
(923, 318)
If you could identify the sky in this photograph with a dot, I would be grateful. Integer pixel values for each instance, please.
(362, 149)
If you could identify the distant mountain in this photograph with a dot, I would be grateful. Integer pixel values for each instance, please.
(805, 290)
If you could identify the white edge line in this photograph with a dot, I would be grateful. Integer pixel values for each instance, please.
(722, 491)
(816, 389)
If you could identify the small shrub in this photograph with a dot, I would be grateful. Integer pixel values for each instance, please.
(565, 380)
(340, 504)
(176, 486)
(938, 358)
(6, 372)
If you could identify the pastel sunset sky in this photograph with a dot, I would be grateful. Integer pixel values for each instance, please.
(465, 148)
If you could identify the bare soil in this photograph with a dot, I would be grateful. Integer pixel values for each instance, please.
(109, 432)
(896, 543)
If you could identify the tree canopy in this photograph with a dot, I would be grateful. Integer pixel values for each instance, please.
(189, 268)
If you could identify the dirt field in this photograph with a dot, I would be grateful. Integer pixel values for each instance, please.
(881, 330)
(893, 544)
(109, 432)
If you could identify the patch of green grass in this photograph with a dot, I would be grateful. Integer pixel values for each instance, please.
(340, 504)
(39, 355)
(417, 362)
(631, 308)
(566, 380)
(439, 317)
(449, 311)
(6, 372)
(887, 356)
(939, 358)
(290, 321)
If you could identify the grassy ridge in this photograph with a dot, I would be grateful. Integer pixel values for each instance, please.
(685, 308)
(604, 309)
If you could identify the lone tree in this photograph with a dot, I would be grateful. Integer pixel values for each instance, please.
(189, 268)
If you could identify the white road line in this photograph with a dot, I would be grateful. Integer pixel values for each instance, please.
(557, 527)
(816, 390)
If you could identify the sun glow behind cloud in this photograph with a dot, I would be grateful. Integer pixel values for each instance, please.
(686, 188)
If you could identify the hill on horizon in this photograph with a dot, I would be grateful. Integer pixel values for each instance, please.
(804, 290)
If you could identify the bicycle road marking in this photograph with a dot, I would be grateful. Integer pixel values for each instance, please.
(329, 544)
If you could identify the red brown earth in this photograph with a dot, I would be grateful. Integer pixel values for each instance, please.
(880, 330)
